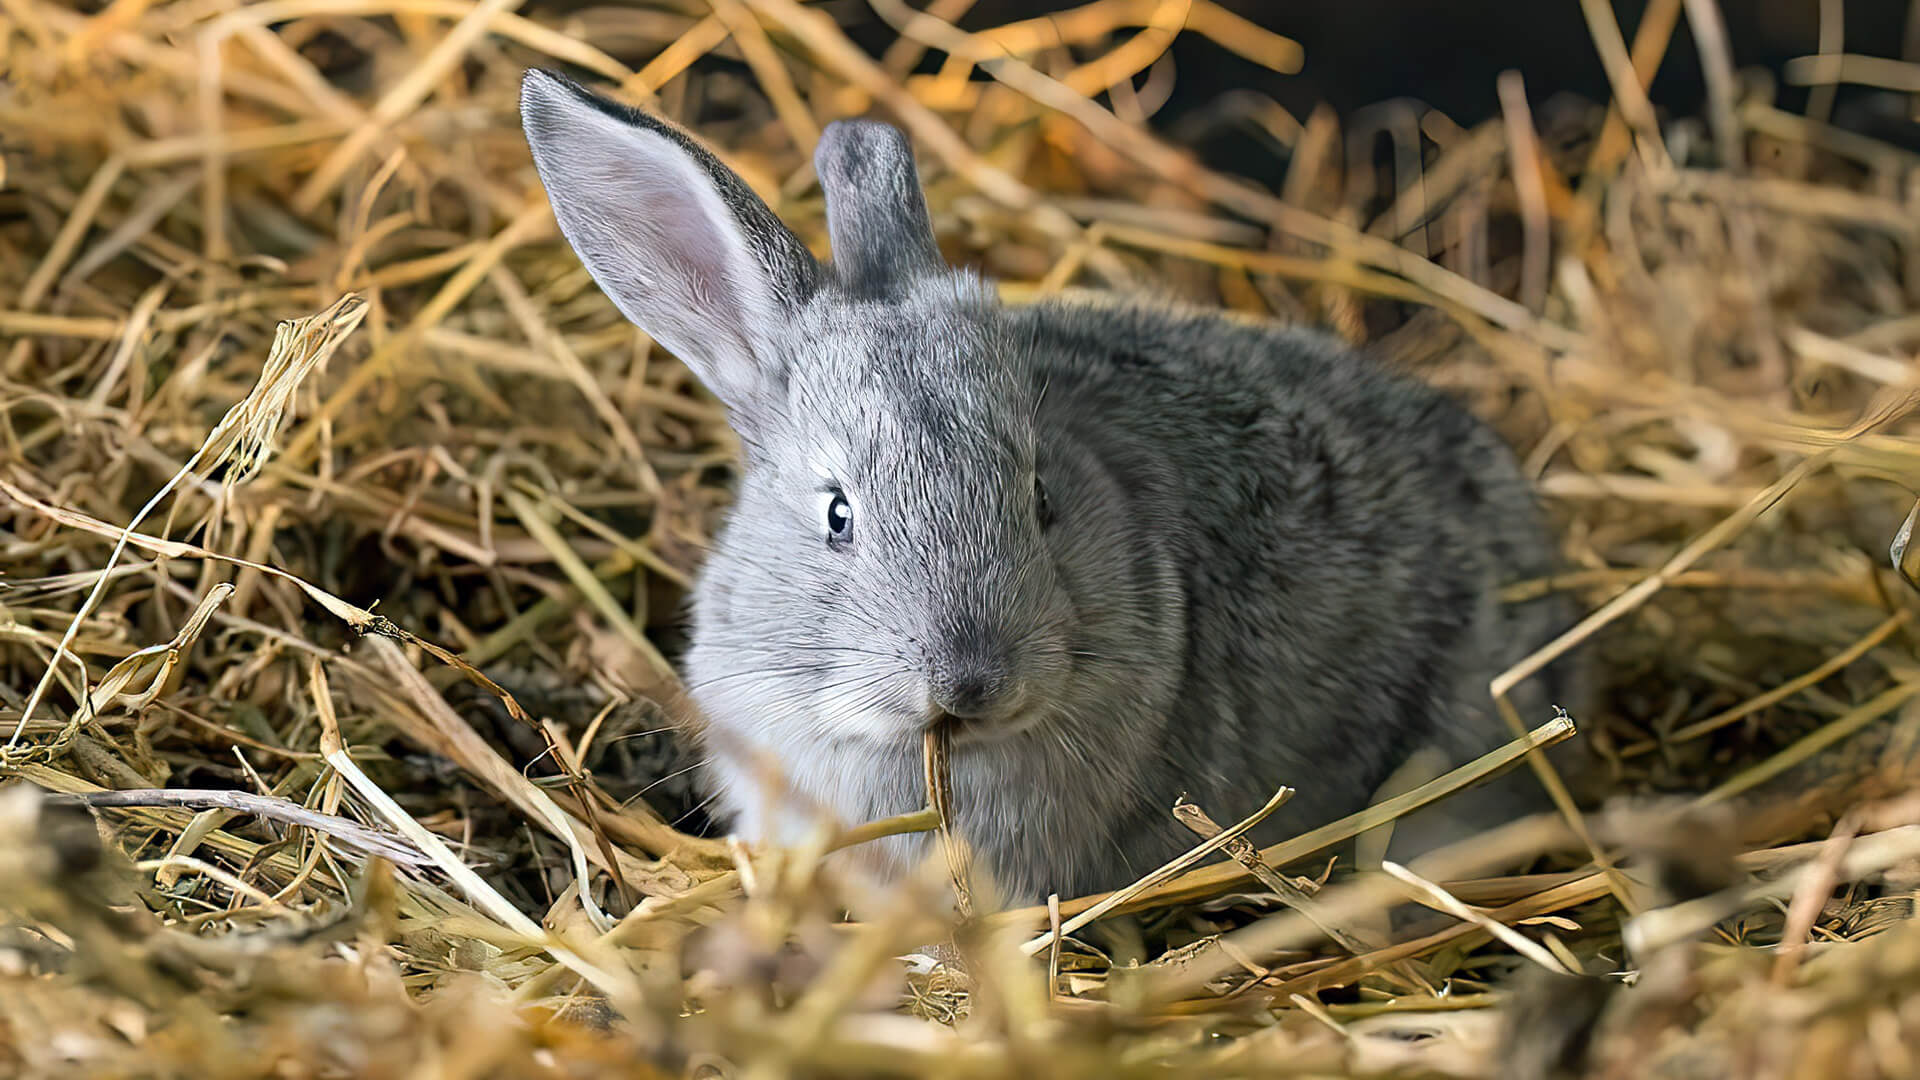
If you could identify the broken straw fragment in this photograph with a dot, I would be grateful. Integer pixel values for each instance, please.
(1906, 557)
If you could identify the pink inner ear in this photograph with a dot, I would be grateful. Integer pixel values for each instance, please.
(651, 219)
(667, 252)
(670, 231)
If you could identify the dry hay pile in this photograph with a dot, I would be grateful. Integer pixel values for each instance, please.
(286, 333)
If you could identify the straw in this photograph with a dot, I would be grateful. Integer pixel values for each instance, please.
(346, 530)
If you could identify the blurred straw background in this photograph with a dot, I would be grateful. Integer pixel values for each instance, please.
(344, 527)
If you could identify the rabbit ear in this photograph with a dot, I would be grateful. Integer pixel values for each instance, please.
(679, 243)
(876, 213)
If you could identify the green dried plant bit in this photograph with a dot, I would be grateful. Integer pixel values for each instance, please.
(1906, 557)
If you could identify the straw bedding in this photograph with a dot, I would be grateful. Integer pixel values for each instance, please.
(344, 524)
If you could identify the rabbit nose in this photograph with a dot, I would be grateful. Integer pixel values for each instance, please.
(974, 683)
(973, 694)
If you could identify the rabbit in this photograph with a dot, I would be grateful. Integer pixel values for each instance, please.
(1122, 550)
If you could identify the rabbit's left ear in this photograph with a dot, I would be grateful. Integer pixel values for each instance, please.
(876, 213)
(674, 238)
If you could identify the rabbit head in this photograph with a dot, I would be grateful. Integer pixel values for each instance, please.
(883, 566)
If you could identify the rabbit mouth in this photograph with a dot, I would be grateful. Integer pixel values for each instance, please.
(975, 729)
(947, 725)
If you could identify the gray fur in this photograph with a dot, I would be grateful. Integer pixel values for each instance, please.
(1270, 561)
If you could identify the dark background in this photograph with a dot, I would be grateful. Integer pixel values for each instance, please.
(1448, 54)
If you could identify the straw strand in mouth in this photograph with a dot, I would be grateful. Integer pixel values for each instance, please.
(936, 745)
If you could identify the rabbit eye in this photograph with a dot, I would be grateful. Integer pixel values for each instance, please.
(1042, 508)
(839, 517)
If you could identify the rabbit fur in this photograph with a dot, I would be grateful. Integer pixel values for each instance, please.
(1128, 551)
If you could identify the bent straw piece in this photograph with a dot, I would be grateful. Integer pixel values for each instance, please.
(280, 860)
(1194, 855)
(231, 880)
(1134, 55)
(346, 830)
(1433, 896)
(1286, 930)
(617, 985)
(1560, 898)
(1212, 880)
(1243, 852)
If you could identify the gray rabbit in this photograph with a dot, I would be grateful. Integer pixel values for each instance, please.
(1128, 552)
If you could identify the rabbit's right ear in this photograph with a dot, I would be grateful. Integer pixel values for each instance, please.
(679, 243)
(876, 212)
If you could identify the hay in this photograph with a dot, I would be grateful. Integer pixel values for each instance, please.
(313, 436)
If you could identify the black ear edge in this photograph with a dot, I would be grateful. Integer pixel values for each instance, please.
(795, 270)
(538, 83)
(543, 81)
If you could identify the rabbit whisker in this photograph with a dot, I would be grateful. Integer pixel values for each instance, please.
(675, 773)
(692, 810)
